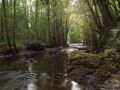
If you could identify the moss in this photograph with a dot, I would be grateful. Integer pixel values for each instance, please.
(88, 60)
(84, 56)
(106, 63)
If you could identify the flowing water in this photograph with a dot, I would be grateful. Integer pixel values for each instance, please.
(41, 72)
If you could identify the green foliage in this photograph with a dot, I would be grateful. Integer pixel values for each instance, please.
(52, 21)
(32, 21)
(110, 63)
(113, 43)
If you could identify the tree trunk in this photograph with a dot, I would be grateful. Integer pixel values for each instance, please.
(6, 24)
(15, 26)
(119, 3)
(93, 14)
(49, 28)
(36, 21)
(2, 28)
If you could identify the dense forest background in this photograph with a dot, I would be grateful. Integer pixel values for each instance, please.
(56, 22)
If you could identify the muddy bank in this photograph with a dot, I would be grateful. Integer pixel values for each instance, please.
(31, 53)
(101, 70)
(112, 83)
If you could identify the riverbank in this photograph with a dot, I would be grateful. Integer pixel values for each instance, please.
(29, 53)
(96, 69)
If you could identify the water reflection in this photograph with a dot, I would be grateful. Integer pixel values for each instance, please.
(47, 75)
(75, 86)
(31, 82)
(37, 74)
(32, 86)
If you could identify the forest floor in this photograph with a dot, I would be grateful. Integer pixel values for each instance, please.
(92, 69)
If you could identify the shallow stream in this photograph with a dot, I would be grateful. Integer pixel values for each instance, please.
(41, 72)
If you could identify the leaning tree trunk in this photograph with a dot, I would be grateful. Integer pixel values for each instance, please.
(119, 4)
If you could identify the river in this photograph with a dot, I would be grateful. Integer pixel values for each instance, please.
(40, 72)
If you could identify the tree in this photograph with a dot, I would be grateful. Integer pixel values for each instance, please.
(14, 30)
(6, 24)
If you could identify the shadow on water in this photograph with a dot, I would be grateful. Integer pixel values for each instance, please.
(38, 73)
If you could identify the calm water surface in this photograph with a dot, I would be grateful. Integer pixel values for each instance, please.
(43, 72)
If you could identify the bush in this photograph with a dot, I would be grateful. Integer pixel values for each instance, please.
(35, 46)
(110, 63)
